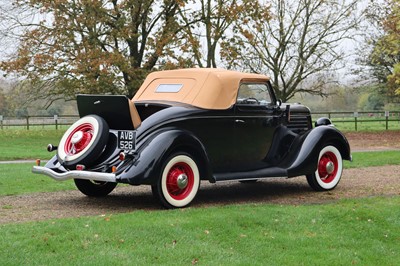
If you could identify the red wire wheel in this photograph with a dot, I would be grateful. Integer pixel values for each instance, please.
(179, 182)
(79, 139)
(329, 170)
(328, 167)
(83, 142)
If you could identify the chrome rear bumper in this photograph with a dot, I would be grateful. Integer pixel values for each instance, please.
(94, 176)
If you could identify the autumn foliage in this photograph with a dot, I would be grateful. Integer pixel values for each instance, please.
(93, 46)
(386, 51)
(391, 44)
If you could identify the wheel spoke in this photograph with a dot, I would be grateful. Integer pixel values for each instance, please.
(173, 190)
(71, 150)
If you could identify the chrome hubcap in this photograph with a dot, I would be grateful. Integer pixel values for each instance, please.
(330, 167)
(77, 137)
(182, 181)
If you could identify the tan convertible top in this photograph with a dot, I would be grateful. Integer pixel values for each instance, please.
(207, 88)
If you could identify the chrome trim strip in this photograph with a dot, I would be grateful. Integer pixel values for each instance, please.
(87, 175)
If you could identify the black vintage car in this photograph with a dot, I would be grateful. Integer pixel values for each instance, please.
(183, 126)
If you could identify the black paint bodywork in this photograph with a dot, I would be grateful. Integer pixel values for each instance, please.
(246, 141)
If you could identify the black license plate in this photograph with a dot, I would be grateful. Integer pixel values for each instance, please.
(126, 140)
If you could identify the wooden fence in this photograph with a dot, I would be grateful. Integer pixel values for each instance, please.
(383, 120)
(363, 120)
(37, 122)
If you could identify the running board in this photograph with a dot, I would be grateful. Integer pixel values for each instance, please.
(261, 173)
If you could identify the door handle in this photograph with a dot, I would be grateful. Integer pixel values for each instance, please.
(239, 121)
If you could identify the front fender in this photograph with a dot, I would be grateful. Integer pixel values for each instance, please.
(307, 151)
(147, 166)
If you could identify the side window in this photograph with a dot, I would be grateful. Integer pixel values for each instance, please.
(253, 93)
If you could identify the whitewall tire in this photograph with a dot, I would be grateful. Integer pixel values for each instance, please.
(178, 183)
(83, 142)
(329, 170)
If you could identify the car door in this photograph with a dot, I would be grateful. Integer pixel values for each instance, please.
(215, 130)
(256, 119)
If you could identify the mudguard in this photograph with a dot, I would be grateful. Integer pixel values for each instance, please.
(306, 152)
(151, 155)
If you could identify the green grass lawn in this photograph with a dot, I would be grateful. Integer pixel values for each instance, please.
(373, 158)
(16, 179)
(348, 232)
(24, 144)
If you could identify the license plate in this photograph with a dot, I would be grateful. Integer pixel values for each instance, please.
(126, 140)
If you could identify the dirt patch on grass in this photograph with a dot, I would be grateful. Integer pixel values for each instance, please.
(355, 183)
(360, 141)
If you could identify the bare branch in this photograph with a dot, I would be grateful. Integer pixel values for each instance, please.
(299, 41)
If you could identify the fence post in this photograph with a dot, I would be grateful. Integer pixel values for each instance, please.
(56, 121)
(355, 120)
(27, 122)
(387, 119)
(1, 121)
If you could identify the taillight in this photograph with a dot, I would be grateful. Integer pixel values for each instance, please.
(80, 167)
(122, 156)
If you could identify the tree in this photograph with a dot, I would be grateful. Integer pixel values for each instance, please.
(386, 52)
(7, 43)
(378, 63)
(377, 56)
(92, 46)
(370, 99)
(6, 97)
(109, 46)
(207, 24)
(300, 41)
(3, 102)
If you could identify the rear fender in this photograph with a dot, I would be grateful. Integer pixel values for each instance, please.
(307, 151)
(147, 167)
